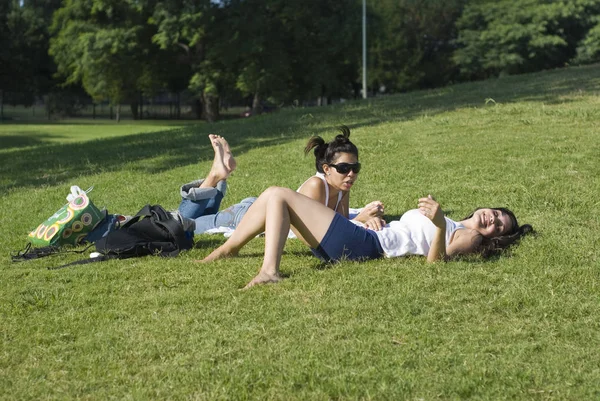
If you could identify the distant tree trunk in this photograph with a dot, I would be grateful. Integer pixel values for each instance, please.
(356, 89)
(256, 107)
(321, 99)
(134, 106)
(211, 107)
(141, 107)
(198, 108)
(118, 115)
(1, 105)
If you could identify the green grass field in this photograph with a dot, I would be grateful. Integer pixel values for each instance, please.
(522, 326)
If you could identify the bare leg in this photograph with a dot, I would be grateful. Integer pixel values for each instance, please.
(273, 212)
(219, 170)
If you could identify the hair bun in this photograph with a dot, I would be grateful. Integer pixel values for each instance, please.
(344, 133)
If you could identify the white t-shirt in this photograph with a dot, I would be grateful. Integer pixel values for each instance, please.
(412, 234)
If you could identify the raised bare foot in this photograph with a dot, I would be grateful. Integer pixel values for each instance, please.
(228, 159)
(218, 171)
(263, 278)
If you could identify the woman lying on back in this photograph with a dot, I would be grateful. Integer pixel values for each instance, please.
(423, 231)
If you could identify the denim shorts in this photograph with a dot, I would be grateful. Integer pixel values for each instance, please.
(346, 240)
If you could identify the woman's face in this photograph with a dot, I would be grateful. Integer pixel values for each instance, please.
(492, 222)
(342, 180)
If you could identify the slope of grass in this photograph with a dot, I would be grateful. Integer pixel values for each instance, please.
(521, 326)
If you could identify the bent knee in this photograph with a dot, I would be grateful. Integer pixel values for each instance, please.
(278, 191)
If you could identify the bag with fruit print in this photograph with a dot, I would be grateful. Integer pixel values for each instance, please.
(70, 224)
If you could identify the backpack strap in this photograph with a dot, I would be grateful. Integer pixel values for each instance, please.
(82, 262)
(176, 230)
(30, 252)
(144, 212)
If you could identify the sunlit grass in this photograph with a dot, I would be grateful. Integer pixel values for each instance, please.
(522, 326)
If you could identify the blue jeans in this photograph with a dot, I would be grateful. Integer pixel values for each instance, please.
(202, 205)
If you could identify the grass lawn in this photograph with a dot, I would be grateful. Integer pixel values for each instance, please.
(525, 325)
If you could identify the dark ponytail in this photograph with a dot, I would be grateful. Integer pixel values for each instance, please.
(320, 148)
(325, 152)
(493, 246)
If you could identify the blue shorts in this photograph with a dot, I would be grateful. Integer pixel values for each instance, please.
(346, 240)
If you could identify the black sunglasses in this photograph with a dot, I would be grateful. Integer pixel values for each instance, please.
(344, 168)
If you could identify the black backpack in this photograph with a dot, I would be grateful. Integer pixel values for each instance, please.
(152, 231)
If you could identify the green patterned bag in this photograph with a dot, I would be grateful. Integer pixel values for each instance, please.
(70, 224)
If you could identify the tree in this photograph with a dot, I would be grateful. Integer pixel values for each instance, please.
(294, 50)
(190, 26)
(588, 50)
(517, 36)
(106, 46)
(326, 51)
(412, 43)
(25, 68)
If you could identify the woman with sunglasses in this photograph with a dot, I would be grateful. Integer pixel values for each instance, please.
(423, 231)
(337, 170)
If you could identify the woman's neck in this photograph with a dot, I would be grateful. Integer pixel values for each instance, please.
(468, 223)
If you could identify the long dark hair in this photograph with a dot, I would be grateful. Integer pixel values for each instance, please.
(325, 152)
(493, 246)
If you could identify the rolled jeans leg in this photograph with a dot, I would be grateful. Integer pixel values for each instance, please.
(197, 202)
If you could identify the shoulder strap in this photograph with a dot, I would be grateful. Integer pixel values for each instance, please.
(340, 196)
(322, 177)
(176, 230)
(30, 252)
(144, 212)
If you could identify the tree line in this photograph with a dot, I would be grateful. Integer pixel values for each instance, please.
(229, 51)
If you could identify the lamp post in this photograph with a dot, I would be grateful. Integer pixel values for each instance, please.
(364, 49)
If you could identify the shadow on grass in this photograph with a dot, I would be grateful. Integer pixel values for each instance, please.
(23, 141)
(50, 164)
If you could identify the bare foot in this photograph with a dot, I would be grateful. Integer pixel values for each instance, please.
(263, 278)
(218, 171)
(228, 159)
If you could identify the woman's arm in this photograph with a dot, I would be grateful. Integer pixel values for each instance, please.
(430, 208)
(344, 206)
(463, 242)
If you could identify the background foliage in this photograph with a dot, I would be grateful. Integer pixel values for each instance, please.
(215, 54)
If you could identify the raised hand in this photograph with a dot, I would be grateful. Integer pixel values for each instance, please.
(431, 209)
